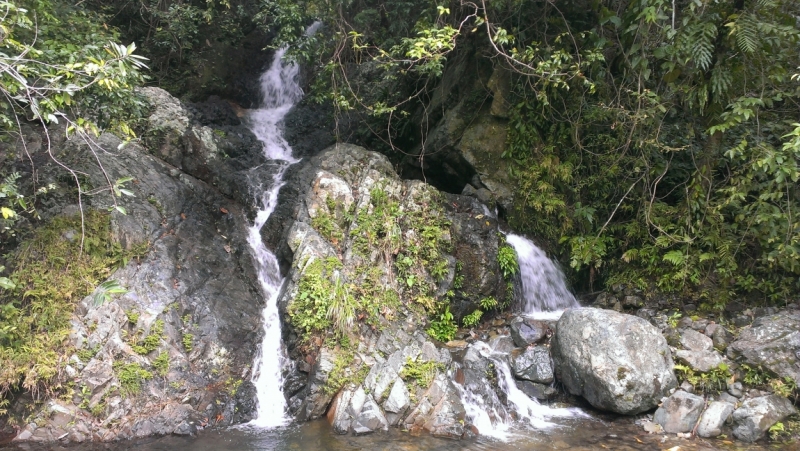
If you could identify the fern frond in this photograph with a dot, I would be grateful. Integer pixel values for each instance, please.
(746, 31)
(703, 45)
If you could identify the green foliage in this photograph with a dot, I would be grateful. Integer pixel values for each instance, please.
(152, 340)
(344, 372)
(776, 430)
(472, 319)
(488, 303)
(711, 381)
(673, 319)
(50, 275)
(420, 372)
(63, 65)
(188, 341)
(755, 376)
(161, 363)
(131, 376)
(133, 317)
(507, 259)
(442, 327)
(785, 387)
(309, 310)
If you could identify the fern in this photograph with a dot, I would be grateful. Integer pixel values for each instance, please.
(745, 30)
(675, 257)
(703, 47)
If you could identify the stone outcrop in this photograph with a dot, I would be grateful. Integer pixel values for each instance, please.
(195, 289)
(617, 362)
(413, 248)
(772, 341)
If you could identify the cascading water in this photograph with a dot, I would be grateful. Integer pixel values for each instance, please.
(281, 90)
(544, 288)
(485, 412)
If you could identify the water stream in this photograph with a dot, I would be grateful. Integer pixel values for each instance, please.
(544, 287)
(280, 90)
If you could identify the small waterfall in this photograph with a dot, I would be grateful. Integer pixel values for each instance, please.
(491, 418)
(280, 89)
(544, 288)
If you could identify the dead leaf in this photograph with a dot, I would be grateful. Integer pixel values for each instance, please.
(223, 210)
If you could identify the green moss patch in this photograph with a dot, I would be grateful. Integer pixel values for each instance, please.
(52, 274)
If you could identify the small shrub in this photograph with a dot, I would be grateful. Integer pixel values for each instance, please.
(443, 328)
(153, 339)
(472, 319)
(420, 372)
(188, 342)
(161, 364)
(488, 303)
(131, 376)
(507, 259)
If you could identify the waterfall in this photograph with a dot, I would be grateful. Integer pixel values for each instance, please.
(280, 90)
(544, 288)
(491, 418)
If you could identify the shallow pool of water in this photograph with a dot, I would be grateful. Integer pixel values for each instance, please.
(600, 432)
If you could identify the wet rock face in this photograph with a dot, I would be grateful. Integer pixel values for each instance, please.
(755, 416)
(772, 341)
(195, 287)
(526, 331)
(617, 362)
(533, 364)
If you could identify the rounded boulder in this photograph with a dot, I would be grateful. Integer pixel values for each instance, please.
(617, 362)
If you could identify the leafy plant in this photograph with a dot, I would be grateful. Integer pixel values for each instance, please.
(420, 372)
(131, 376)
(152, 340)
(472, 319)
(754, 375)
(488, 303)
(161, 363)
(507, 259)
(188, 342)
(776, 430)
(443, 328)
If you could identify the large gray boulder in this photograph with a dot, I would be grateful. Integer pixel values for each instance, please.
(680, 412)
(757, 415)
(773, 342)
(618, 362)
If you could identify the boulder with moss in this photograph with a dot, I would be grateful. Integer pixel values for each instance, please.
(382, 270)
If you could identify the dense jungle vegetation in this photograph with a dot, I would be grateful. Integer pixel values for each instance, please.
(657, 142)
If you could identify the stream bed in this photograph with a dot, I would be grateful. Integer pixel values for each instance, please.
(600, 432)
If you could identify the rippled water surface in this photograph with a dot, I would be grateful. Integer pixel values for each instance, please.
(578, 434)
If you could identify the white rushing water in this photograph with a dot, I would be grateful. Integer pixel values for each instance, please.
(281, 90)
(544, 288)
(492, 419)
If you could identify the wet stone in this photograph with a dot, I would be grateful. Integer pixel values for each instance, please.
(680, 412)
(714, 417)
(533, 364)
(526, 331)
